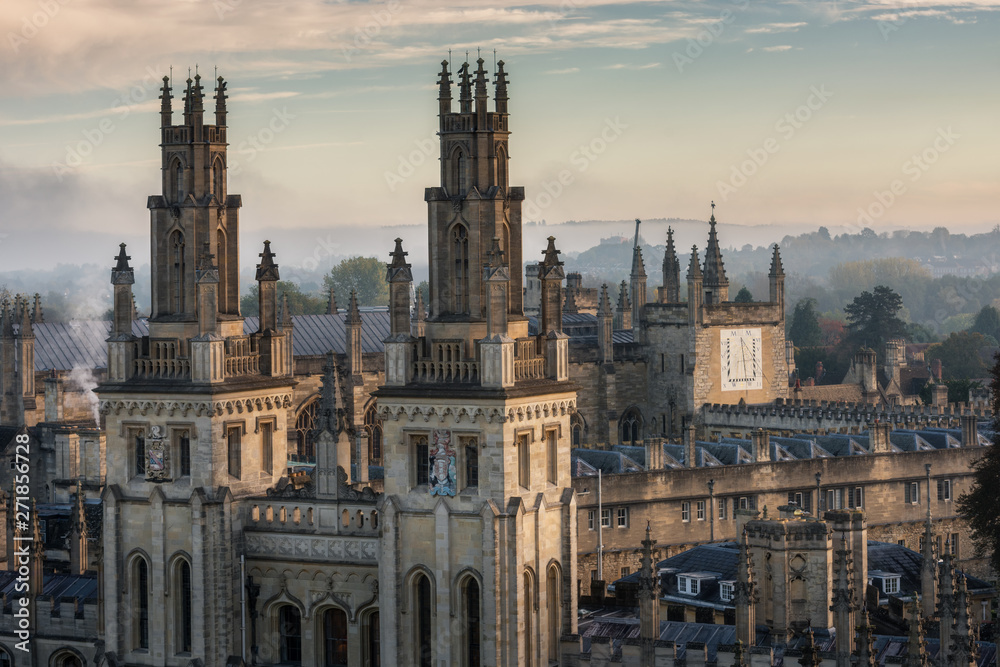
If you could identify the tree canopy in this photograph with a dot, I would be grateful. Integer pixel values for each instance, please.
(872, 318)
(744, 296)
(980, 507)
(804, 330)
(364, 274)
(299, 302)
(987, 322)
(961, 355)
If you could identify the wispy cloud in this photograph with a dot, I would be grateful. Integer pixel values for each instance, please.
(771, 28)
(568, 70)
(632, 66)
(777, 49)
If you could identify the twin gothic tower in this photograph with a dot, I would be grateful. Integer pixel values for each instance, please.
(477, 562)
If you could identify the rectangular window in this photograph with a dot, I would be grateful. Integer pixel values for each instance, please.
(726, 591)
(593, 575)
(834, 499)
(922, 543)
(590, 519)
(685, 511)
(551, 447)
(234, 437)
(184, 453)
(722, 508)
(626, 571)
(523, 461)
(856, 498)
(682, 584)
(471, 462)
(623, 517)
(901, 543)
(267, 447)
(701, 510)
(944, 489)
(139, 447)
(606, 517)
(891, 585)
(747, 502)
(953, 544)
(421, 464)
(911, 493)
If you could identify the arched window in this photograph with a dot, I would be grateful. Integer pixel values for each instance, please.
(334, 638)
(5, 658)
(176, 284)
(528, 609)
(502, 168)
(460, 278)
(473, 623)
(373, 652)
(455, 179)
(179, 181)
(374, 427)
(630, 427)
(553, 601)
(64, 659)
(422, 614)
(290, 635)
(576, 429)
(304, 425)
(221, 258)
(140, 603)
(218, 180)
(182, 612)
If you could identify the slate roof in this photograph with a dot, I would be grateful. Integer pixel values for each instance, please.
(720, 559)
(607, 462)
(67, 345)
(83, 586)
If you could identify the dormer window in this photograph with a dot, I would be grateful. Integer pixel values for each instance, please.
(889, 581)
(688, 585)
(726, 590)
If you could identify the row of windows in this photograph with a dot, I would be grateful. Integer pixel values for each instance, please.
(911, 491)
(950, 544)
(333, 637)
(620, 513)
(140, 601)
(305, 425)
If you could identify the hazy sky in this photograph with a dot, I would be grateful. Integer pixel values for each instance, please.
(782, 112)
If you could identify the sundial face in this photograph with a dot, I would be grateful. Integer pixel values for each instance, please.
(742, 357)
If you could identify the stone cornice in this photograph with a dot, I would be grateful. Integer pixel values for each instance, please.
(473, 413)
(184, 408)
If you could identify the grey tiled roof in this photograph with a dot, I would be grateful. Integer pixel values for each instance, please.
(68, 345)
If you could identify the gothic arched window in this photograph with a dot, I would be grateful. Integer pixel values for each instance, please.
(220, 261)
(460, 262)
(64, 659)
(473, 623)
(422, 614)
(176, 285)
(372, 630)
(218, 180)
(528, 610)
(179, 181)
(182, 612)
(630, 426)
(140, 603)
(553, 600)
(334, 638)
(502, 168)
(304, 425)
(374, 427)
(290, 635)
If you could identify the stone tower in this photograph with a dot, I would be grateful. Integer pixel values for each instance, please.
(478, 518)
(195, 412)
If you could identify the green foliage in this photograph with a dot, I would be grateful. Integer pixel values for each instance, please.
(835, 363)
(987, 322)
(980, 507)
(299, 302)
(918, 333)
(960, 355)
(743, 296)
(364, 274)
(872, 318)
(804, 330)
